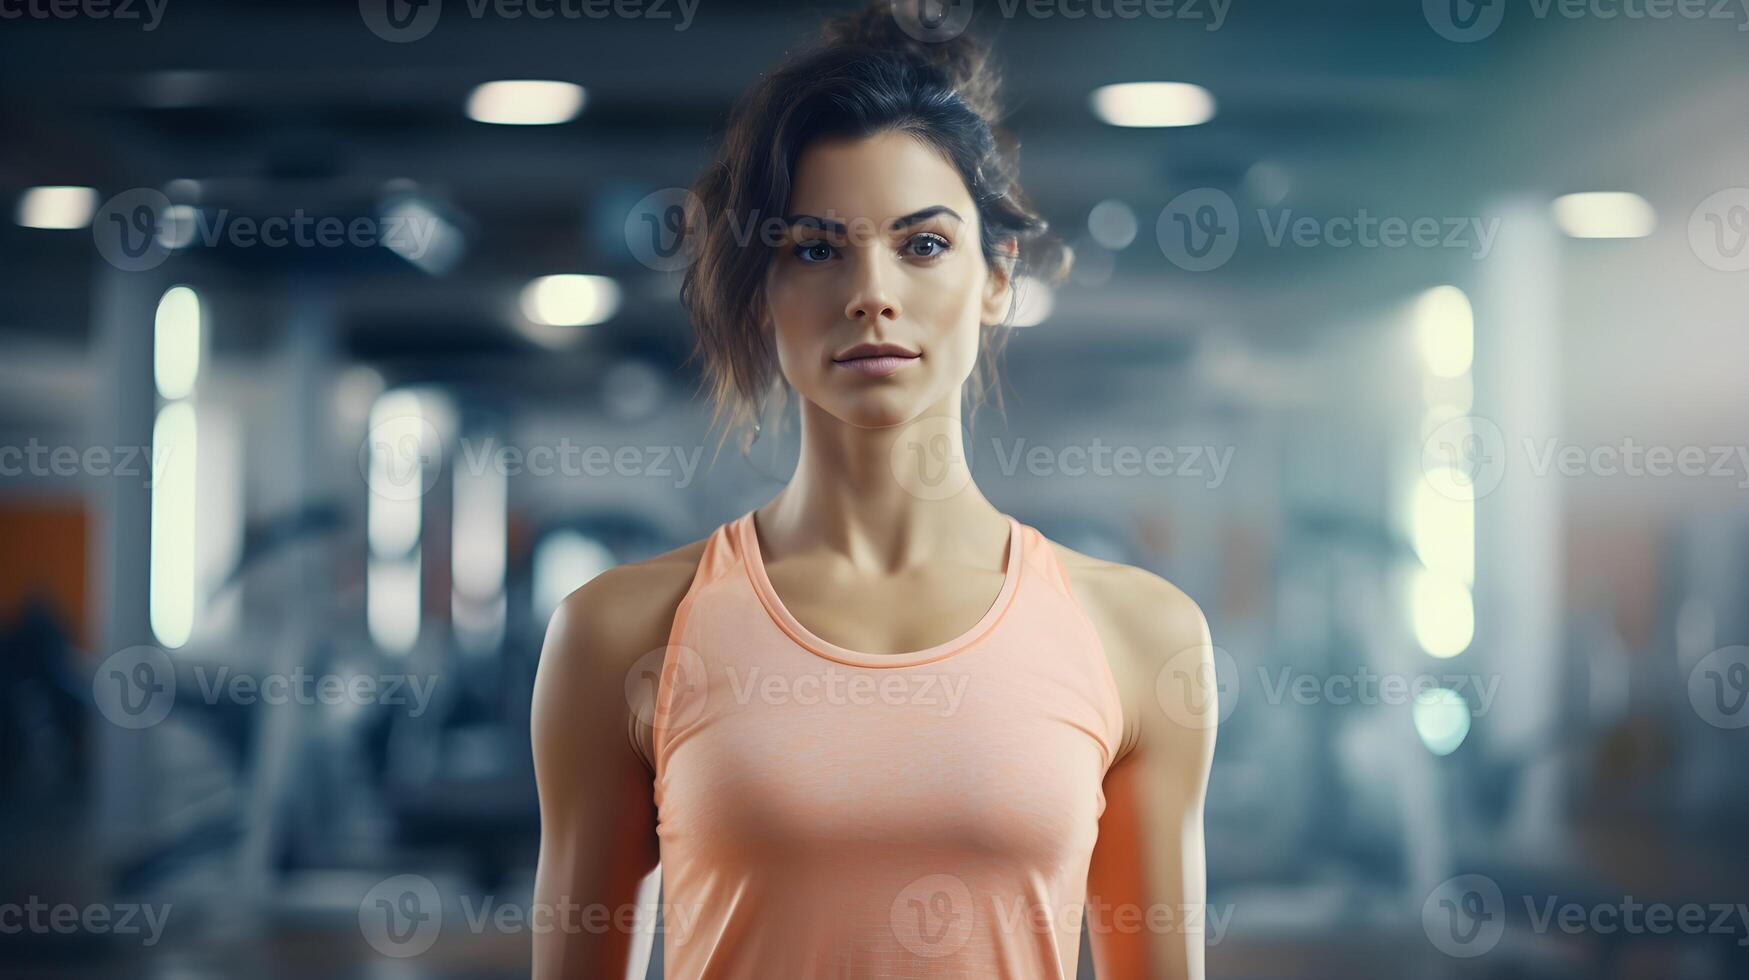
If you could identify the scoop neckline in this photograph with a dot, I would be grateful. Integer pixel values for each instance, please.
(748, 537)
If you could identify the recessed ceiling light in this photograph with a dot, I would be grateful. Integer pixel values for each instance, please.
(1153, 104)
(1604, 214)
(525, 103)
(57, 207)
(570, 300)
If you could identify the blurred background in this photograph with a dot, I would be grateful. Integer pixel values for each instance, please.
(338, 341)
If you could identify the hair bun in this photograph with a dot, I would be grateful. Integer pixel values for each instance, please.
(899, 26)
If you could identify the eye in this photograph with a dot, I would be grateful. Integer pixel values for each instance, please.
(813, 252)
(927, 245)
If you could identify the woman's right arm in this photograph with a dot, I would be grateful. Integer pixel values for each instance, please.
(592, 762)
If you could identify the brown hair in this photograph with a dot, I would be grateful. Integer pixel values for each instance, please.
(865, 74)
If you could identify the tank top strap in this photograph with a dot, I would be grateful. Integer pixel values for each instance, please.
(722, 554)
(681, 672)
(720, 557)
(1042, 558)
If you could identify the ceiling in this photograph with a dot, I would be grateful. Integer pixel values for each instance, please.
(277, 108)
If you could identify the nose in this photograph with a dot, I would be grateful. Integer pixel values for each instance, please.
(871, 298)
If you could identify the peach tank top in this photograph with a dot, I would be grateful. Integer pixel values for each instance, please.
(824, 813)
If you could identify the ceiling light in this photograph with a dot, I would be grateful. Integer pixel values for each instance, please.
(57, 207)
(1153, 104)
(1604, 214)
(525, 103)
(570, 300)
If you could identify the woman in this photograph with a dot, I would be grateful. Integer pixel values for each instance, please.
(876, 727)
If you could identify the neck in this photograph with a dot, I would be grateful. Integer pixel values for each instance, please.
(886, 497)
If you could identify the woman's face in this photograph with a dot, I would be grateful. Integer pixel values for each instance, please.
(882, 258)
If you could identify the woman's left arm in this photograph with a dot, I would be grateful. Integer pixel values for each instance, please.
(1146, 893)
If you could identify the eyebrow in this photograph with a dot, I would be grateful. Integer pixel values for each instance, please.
(905, 221)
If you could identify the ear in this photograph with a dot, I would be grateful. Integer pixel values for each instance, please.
(999, 284)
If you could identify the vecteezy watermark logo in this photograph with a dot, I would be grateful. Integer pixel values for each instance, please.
(1198, 687)
(927, 459)
(1097, 459)
(1366, 687)
(86, 10)
(688, 687)
(1549, 914)
(485, 913)
(933, 916)
(567, 458)
(1185, 10)
(1464, 20)
(940, 693)
(1718, 230)
(1364, 229)
(1465, 916)
(224, 685)
(37, 917)
(1473, 20)
(135, 687)
(1464, 458)
(38, 459)
(655, 228)
(933, 21)
(138, 229)
(1208, 923)
(401, 916)
(1199, 229)
(129, 230)
(400, 21)
(1718, 687)
(401, 457)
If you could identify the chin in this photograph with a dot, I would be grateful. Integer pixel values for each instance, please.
(877, 410)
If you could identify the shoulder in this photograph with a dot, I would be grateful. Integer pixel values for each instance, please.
(1151, 619)
(1146, 624)
(1133, 597)
(599, 634)
(628, 605)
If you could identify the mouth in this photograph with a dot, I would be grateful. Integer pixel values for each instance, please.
(877, 360)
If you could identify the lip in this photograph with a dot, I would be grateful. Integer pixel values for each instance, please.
(876, 360)
(874, 350)
(879, 365)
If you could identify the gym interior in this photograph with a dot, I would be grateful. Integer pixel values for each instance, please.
(340, 341)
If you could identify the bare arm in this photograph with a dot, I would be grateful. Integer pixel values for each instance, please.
(1146, 888)
(592, 761)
